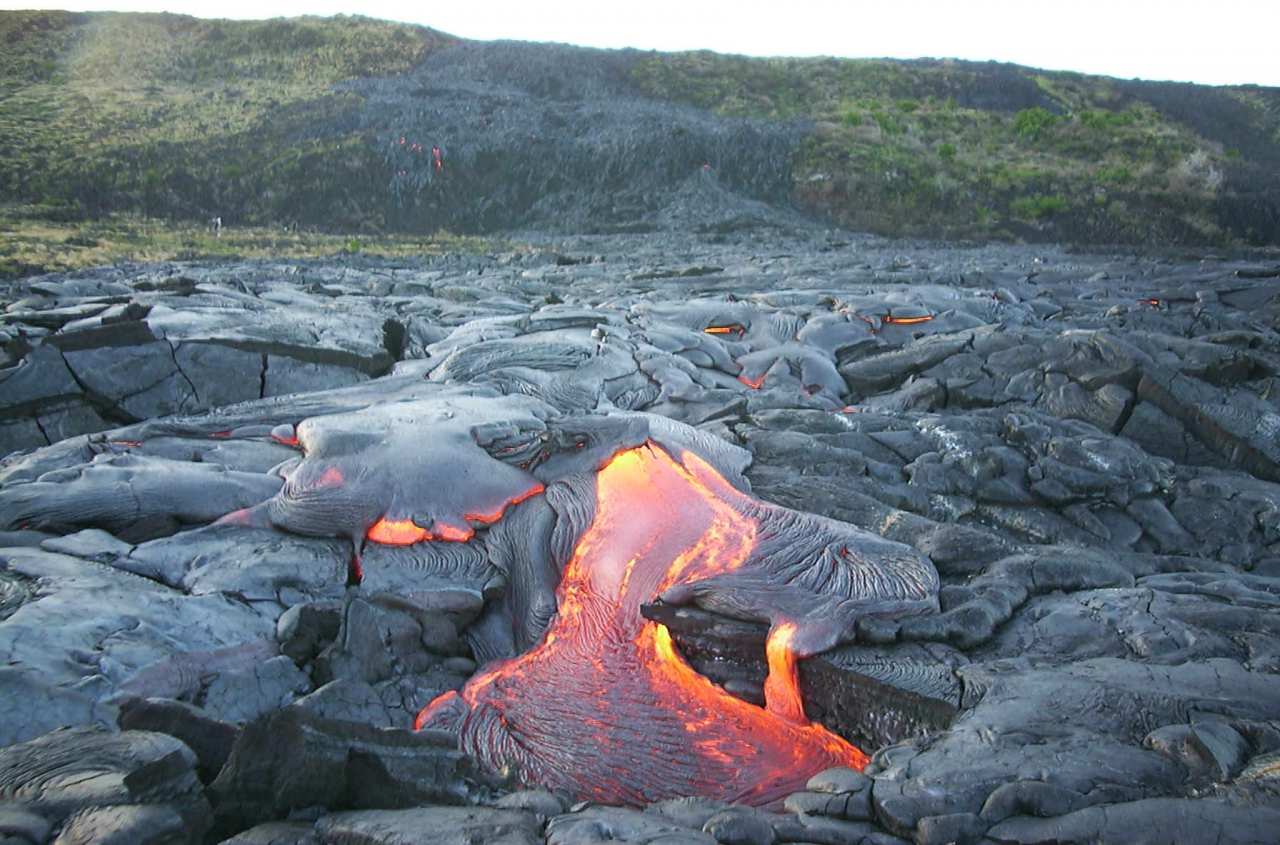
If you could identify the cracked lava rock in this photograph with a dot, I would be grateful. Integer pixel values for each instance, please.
(274, 510)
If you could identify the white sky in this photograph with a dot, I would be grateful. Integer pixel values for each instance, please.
(1217, 43)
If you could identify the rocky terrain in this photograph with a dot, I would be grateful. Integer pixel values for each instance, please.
(1085, 446)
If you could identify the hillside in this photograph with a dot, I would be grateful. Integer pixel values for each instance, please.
(361, 127)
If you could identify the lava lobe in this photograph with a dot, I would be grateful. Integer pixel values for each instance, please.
(603, 706)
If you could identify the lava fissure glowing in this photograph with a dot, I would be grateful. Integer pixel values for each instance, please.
(406, 532)
(603, 706)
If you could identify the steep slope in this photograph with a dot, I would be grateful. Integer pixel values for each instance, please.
(950, 148)
(171, 116)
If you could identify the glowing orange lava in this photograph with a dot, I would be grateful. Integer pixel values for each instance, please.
(753, 383)
(406, 532)
(905, 320)
(397, 532)
(603, 706)
(734, 329)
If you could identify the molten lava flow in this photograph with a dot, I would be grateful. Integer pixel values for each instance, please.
(782, 686)
(753, 383)
(406, 532)
(397, 532)
(603, 706)
(906, 320)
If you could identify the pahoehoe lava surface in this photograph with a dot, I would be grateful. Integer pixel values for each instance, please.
(604, 708)
(1003, 518)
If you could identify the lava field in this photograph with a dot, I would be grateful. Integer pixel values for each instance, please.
(771, 534)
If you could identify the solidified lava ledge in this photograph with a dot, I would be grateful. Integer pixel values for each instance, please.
(767, 534)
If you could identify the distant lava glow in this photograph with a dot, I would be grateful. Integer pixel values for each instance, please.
(603, 706)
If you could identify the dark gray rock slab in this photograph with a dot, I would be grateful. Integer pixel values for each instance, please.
(838, 781)
(741, 826)
(620, 824)
(239, 695)
(208, 738)
(80, 770)
(283, 376)
(17, 822)
(276, 833)
(1149, 820)
(869, 376)
(692, 811)
(187, 674)
(1067, 721)
(1209, 749)
(540, 802)
(824, 830)
(118, 491)
(267, 566)
(293, 758)
(431, 826)
(90, 629)
(1030, 798)
(151, 824)
(350, 700)
(42, 377)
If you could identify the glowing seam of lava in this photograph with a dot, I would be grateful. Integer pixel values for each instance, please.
(753, 383)
(406, 532)
(331, 477)
(735, 329)
(397, 532)
(889, 318)
(603, 706)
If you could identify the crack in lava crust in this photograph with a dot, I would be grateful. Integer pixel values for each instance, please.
(603, 707)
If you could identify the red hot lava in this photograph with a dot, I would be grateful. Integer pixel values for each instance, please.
(603, 706)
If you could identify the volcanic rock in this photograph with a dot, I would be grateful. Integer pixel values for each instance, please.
(432, 826)
(1090, 476)
(95, 785)
(620, 824)
(292, 758)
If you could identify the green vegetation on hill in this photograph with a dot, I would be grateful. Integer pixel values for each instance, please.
(32, 244)
(176, 117)
(964, 150)
(111, 118)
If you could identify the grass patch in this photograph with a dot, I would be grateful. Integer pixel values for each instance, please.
(30, 243)
(170, 116)
(900, 148)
